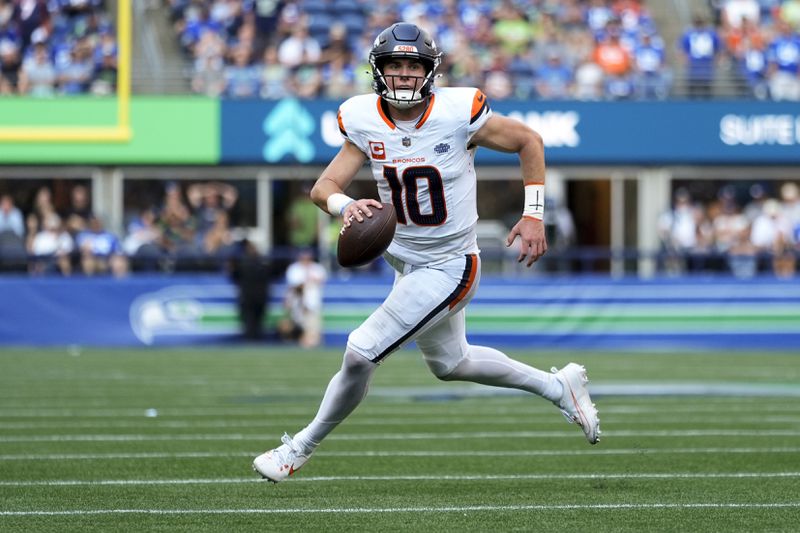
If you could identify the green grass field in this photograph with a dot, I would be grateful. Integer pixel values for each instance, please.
(691, 442)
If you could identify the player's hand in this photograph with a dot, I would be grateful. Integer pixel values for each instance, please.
(533, 243)
(359, 209)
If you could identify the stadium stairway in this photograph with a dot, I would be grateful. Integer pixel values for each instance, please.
(671, 19)
(158, 64)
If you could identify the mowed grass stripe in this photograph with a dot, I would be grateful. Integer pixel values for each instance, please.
(496, 477)
(437, 421)
(496, 407)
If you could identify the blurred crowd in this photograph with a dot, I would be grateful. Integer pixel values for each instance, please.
(190, 224)
(586, 49)
(740, 228)
(527, 49)
(532, 49)
(758, 39)
(50, 47)
(742, 234)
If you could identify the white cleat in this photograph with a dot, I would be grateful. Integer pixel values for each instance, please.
(280, 463)
(575, 403)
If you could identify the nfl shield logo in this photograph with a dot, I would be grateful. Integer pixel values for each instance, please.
(406, 141)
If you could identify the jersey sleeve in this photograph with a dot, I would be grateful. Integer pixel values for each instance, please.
(346, 118)
(479, 112)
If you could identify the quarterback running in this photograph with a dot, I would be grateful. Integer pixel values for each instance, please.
(420, 142)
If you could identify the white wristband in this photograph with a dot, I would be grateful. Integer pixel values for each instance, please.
(337, 202)
(534, 201)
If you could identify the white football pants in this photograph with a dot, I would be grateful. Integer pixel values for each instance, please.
(426, 304)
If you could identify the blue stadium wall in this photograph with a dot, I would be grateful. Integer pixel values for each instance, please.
(619, 133)
(530, 312)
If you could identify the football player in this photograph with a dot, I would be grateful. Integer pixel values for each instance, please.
(420, 142)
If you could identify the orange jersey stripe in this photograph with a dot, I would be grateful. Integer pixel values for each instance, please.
(386, 119)
(478, 103)
(427, 112)
(473, 271)
(341, 124)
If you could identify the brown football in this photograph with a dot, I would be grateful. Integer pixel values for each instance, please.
(363, 242)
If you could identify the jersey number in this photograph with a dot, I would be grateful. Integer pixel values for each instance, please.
(411, 175)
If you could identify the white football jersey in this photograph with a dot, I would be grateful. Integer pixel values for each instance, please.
(424, 168)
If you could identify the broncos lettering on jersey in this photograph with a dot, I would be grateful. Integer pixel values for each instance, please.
(425, 168)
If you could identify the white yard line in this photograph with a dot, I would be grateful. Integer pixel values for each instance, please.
(377, 510)
(429, 477)
(399, 453)
(140, 437)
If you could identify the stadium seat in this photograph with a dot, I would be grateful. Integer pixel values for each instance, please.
(346, 7)
(314, 7)
(320, 23)
(354, 22)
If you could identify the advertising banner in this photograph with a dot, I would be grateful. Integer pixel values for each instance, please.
(682, 132)
(535, 313)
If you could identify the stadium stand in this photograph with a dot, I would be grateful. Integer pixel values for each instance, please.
(542, 50)
(57, 47)
(516, 49)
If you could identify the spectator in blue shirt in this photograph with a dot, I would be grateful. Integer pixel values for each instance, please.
(242, 79)
(554, 79)
(11, 220)
(651, 74)
(751, 58)
(37, 76)
(598, 14)
(197, 22)
(100, 250)
(701, 46)
(12, 232)
(783, 55)
(76, 75)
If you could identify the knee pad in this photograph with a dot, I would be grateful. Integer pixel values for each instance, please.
(444, 368)
(356, 363)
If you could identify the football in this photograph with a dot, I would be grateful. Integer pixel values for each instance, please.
(363, 242)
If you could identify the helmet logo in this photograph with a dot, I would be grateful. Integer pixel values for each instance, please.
(405, 48)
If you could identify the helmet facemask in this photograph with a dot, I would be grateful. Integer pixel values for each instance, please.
(402, 98)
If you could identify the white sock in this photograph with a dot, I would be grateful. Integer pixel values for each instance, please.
(345, 391)
(492, 367)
